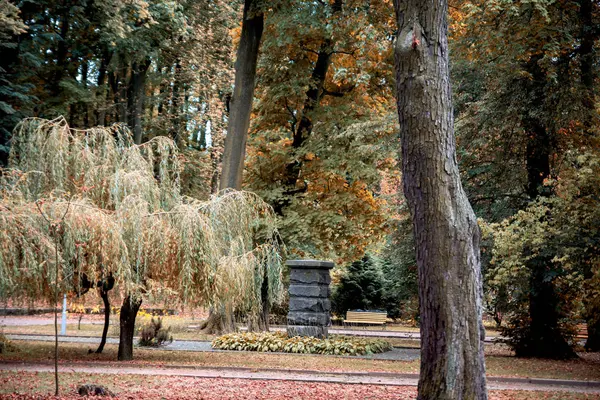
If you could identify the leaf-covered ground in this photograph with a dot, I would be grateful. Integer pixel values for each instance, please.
(500, 364)
(26, 386)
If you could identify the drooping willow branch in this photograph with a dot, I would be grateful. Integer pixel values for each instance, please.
(128, 218)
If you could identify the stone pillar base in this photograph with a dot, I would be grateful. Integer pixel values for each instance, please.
(309, 298)
(320, 332)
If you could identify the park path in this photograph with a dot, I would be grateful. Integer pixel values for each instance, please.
(31, 321)
(371, 378)
(398, 354)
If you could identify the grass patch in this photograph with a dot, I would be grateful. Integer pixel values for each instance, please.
(586, 368)
(280, 342)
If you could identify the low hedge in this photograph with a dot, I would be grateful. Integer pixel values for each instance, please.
(280, 342)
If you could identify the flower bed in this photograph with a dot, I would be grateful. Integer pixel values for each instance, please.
(280, 342)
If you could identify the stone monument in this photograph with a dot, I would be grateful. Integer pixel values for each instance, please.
(309, 298)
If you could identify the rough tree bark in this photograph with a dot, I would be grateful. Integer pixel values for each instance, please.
(129, 311)
(445, 227)
(243, 94)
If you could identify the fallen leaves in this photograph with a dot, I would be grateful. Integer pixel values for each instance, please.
(28, 385)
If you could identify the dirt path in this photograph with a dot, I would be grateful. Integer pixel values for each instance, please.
(41, 320)
(498, 383)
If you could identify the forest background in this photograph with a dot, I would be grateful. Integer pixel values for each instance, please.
(323, 136)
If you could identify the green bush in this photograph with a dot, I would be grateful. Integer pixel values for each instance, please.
(280, 342)
(5, 344)
(154, 334)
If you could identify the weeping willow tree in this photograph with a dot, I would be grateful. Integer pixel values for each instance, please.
(127, 219)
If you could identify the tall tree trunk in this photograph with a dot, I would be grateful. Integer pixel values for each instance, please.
(124, 98)
(129, 311)
(543, 337)
(219, 321)
(62, 52)
(84, 105)
(106, 301)
(243, 94)
(176, 104)
(587, 54)
(445, 227)
(136, 97)
(102, 93)
(593, 330)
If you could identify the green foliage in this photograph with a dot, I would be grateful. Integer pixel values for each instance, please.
(399, 267)
(6, 346)
(563, 233)
(280, 342)
(378, 283)
(154, 334)
(360, 288)
(326, 188)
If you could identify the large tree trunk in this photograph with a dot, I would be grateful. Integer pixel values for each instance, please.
(593, 329)
(543, 338)
(136, 97)
(445, 227)
(243, 94)
(129, 311)
(219, 321)
(587, 53)
(176, 110)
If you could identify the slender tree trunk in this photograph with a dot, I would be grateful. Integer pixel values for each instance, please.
(124, 83)
(136, 98)
(129, 311)
(445, 227)
(102, 95)
(588, 35)
(113, 83)
(106, 301)
(543, 337)
(62, 52)
(84, 105)
(243, 94)
(176, 104)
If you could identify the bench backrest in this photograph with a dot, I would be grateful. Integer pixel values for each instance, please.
(366, 316)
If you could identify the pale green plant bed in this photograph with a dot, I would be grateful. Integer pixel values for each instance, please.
(280, 342)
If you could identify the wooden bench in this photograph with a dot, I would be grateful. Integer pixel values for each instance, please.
(582, 333)
(366, 317)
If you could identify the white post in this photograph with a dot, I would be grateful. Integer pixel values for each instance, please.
(63, 323)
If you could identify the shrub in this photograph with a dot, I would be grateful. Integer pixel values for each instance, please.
(5, 344)
(154, 334)
(280, 342)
